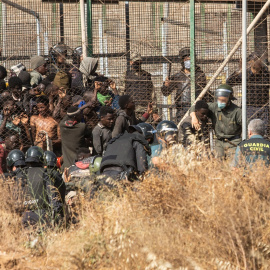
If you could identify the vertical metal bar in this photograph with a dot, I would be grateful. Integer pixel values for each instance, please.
(84, 47)
(192, 50)
(38, 36)
(202, 10)
(1, 18)
(164, 34)
(127, 35)
(62, 34)
(54, 23)
(4, 25)
(244, 70)
(101, 58)
(89, 28)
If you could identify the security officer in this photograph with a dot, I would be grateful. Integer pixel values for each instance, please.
(180, 84)
(226, 120)
(148, 132)
(16, 164)
(126, 156)
(167, 136)
(41, 200)
(255, 149)
(57, 58)
(50, 161)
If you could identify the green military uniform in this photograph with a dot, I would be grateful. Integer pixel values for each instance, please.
(227, 124)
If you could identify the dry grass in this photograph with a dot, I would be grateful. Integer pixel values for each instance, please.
(197, 215)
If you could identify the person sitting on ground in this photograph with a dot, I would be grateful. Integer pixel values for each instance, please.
(45, 129)
(6, 122)
(60, 110)
(39, 66)
(102, 133)
(126, 116)
(254, 150)
(15, 88)
(188, 134)
(3, 75)
(74, 135)
(12, 141)
(89, 107)
(88, 67)
(105, 97)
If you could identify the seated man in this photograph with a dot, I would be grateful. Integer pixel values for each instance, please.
(126, 116)
(45, 129)
(256, 149)
(39, 66)
(187, 133)
(102, 133)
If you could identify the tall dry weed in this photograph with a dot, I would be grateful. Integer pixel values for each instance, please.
(196, 214)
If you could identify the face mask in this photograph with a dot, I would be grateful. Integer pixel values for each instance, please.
(221, 105)
(187, 64)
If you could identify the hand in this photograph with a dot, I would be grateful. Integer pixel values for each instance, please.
(195, 122)
(62, 92)
(24, 118)
(167, 82)
(150, 108)
(108, 102)
(7, 112)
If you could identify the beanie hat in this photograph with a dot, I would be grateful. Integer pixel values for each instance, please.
(123, 101)
(37, 61)
(62, 79)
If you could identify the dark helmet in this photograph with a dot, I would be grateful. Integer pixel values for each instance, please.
(168, 131)
(225, 90)
(50, 159)
(184, 52)
(15, 158)
(34, 154)
(148, 131)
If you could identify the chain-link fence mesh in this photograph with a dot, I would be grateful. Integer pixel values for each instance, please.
(120, 32)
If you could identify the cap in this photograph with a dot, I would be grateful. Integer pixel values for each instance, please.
(37, 61)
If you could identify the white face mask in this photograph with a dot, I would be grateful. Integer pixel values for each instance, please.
(187, 64)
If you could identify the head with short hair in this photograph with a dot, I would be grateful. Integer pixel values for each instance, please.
(83, 153)
(126, 102)
(106, 116)
(74, 113)
(15, 83)
(43, 105)
(201, 110)
(12, 140)
(3, 73)
(256, 127)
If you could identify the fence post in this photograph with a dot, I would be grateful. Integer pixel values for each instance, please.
(89, 28)
(127, 35)
(192, 50)
(244, 70)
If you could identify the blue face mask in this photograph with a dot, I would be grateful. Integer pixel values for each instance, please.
(187, 64)
(221, 105)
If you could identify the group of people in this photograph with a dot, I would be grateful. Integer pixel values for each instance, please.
(65, 128)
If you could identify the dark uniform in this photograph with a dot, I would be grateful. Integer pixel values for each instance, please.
(41, 199)
(139, 85)
(252, 150)
(124, 159)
